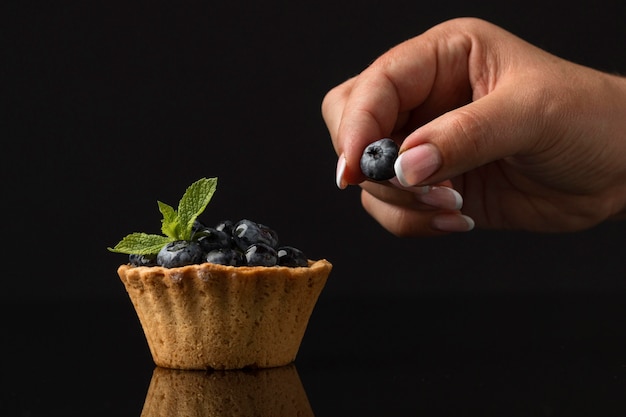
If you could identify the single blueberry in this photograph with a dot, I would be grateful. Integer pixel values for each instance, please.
(260, 254)
(180, 253)
(378, 159)
(225, 226)
(270, 234)
(290, 256)
(210, 238)
(142, 260)
(197, 225)
(231, 257)
(247, 232)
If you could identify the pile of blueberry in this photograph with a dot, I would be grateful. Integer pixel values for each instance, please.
(244, 243)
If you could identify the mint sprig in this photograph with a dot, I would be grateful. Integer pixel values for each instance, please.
(141, 244)
(176, 224)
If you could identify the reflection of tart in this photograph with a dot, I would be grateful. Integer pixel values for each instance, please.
(276, 392)
(211, 316)
(211, 299)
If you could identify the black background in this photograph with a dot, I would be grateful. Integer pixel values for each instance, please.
(109, 106)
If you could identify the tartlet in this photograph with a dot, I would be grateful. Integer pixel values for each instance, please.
(244, 303)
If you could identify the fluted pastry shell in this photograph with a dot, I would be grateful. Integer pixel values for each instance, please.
(275, 392)
(211, 316)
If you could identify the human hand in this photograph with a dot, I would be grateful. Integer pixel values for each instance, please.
(531, 141)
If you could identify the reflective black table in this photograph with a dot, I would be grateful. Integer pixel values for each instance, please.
(437, 354)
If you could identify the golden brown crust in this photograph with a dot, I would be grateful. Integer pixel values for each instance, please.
(211, 316)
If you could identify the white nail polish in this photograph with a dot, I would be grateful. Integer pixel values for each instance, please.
(445, 198)
(397, 167)
(453, 223)
(417, 164)
(341, 167)
(417, 189)
(455, 195)
(470, 222)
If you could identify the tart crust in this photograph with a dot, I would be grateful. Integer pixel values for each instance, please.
(211, 316)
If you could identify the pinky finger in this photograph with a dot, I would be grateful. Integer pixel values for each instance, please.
(452, 222)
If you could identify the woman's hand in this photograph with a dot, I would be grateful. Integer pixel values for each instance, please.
(531, 141)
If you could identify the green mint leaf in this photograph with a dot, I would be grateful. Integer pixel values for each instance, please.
(141, 244)
(170, 225)
(175, 225)
(193, 203)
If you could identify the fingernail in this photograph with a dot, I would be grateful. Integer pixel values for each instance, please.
(416, 164)
(341, 167)
(418, 189)
(452, 223)
(442, 197)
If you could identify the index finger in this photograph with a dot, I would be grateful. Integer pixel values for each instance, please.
(367, 107)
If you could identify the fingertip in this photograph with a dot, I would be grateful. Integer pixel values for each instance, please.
(452, 223)
(445, 198)
(417, 164)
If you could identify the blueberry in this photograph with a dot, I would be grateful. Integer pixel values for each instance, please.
(270, 234)
(225, 226)
(260, 254)
(180, 253)
(197, 225)
(237, 244)
(210, 238)
(290, 256)
(378, 159)
(142, 260)
(247, 232)
(231, 257)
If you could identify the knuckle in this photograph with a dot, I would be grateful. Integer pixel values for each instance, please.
(470, 135)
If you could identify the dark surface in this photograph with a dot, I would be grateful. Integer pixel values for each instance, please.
(518, 355)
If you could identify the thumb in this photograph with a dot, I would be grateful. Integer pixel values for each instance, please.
(483, 131)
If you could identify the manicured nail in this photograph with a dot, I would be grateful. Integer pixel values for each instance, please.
(452, 223)
(416, 164)
(418, 189)
(445, 198)
(341, 167)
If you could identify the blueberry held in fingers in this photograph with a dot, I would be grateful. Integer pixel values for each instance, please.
(378, 159)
